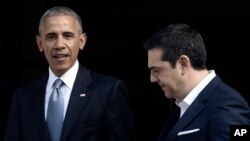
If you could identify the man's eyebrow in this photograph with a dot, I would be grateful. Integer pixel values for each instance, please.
(64, 33)
(68, 32)
(50, 34)
(153, 67)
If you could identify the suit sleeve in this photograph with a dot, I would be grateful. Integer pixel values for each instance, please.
(119, 117)
(12, 132)
(232, 110)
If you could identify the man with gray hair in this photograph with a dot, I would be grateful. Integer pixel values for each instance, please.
(70, 102)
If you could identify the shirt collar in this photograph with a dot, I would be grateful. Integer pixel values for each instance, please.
(68, 77)
(188, 100)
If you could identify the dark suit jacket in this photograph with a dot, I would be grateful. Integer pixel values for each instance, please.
(103, 114)
(209, 116)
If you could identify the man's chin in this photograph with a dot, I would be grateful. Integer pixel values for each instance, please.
(167, 95)
(60, 69)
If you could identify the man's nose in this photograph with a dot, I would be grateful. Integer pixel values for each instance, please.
(59, 43)
(152, 78)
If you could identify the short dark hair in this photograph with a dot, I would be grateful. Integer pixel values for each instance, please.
(179, 39)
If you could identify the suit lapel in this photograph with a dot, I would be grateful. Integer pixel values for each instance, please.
(78, 99)
(173, 118)
(38, 109)
(190, 114)
(195, 108)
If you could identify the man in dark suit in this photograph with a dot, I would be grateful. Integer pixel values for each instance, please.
(95, 107)
(207, 106)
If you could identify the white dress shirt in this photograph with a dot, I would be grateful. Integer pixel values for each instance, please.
(188, 100)
(68, 78)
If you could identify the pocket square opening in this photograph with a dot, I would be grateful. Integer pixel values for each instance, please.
(188, 131)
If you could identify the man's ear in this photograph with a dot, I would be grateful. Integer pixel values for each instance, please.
(83, 40)
(39, 43)
(184, 63)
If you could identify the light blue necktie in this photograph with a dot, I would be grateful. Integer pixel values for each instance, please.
(55, 112)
